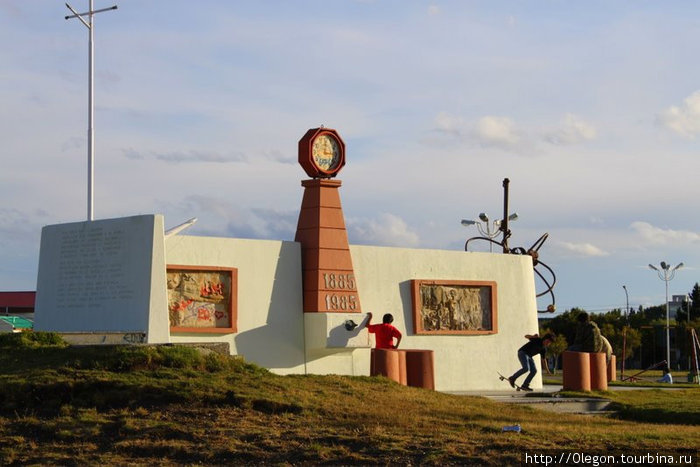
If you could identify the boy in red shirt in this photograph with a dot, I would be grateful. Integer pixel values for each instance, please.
(385, 332)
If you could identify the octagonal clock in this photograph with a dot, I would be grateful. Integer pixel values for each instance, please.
(321, 152)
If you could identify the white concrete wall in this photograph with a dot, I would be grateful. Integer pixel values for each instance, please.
(462, 363)
(272, 329)
(271, 324)
(270, 318)
(103, 276)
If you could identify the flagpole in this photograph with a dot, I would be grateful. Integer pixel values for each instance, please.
(91, 101)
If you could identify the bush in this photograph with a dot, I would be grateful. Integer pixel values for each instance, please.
(32, 339)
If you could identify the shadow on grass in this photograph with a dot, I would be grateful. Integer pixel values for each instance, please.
(653, 415)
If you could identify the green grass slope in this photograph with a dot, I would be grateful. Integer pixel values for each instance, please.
(170, 405)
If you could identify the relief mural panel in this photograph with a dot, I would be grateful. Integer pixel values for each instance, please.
(202, 299)
(454, 307)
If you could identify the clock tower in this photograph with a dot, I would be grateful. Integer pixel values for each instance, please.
(328, 275)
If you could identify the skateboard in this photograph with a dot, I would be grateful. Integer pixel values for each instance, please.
(505, 378)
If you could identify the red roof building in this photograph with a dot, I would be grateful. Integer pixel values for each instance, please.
(17, 302)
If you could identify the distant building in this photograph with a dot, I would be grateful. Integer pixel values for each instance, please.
(17, 304)
(678, 302)
(15, 324)
(16, 311)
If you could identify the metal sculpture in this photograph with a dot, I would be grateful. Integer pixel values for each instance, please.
(533, 251)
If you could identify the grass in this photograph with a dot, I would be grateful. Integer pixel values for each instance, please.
(169, 405)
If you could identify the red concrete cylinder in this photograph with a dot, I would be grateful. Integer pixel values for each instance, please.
(386, 362)
(419, 369)
(599, 372)
(402, 367)
(577, 371)
(612, 368)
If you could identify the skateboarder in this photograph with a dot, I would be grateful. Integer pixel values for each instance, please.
(535, 345)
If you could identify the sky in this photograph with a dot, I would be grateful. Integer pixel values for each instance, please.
(590, 109)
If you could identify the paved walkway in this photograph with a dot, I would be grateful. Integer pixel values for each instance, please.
(547, 398)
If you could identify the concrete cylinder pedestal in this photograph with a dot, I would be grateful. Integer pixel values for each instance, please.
(599, 372)
(577, 371)
(612, 369)
(403, 372)
(419, 369)
(387, 362)
(407, 367)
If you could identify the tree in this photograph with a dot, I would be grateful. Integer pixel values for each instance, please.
(695, 305)
(556, 348)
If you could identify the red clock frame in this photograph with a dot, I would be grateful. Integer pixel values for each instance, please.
(306, 157)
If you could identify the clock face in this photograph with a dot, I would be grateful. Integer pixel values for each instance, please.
(325, 152)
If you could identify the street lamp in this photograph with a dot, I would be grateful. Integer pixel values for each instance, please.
(666, 274)
(624, 331)
(485, 230)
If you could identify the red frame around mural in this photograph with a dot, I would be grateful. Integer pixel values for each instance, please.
(232, 305)
(418, 306)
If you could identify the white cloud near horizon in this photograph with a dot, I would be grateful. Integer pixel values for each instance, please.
(387, 230)
(496, 131)
(657, 236)
(581, 249)
(683, 119)
(572, 130)
(503, 132)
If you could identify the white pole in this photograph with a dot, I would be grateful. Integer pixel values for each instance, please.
(668, 323)
(91, 120)
(91, 101)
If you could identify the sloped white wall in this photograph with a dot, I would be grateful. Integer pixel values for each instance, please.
(270, 318)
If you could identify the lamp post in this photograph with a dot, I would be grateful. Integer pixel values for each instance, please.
(485, 226)
(666, 274)
(624, 332)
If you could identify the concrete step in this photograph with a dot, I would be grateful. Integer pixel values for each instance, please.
(547, 398)
(553, 403)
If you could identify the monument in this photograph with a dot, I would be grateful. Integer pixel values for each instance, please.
(105, 276)
(294, 307)
(328, 276)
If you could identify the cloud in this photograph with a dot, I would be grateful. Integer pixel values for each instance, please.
(268, 224)
(278, 156)
(221, 217)
(177, 157)
(496, 131)
(582, 249)
(133, 154)
(19, 227)
(572, 130)
(683, 119)
(388, 230)
(450, 124)
(196, 155)
(73, 143)
(486, 131)
(433, 10)
(657, 236)
(504, 133)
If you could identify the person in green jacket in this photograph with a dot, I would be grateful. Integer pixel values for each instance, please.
(588, 337)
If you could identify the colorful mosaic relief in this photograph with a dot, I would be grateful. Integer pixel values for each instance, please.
(199, 299)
